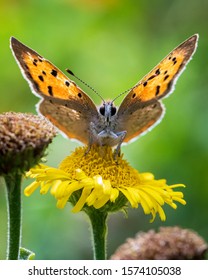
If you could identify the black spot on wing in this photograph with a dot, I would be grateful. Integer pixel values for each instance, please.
(152, 77)
(166, 77)
(157, 90)
(26, 67)
(174, 60)
(41, 78)
(54, 73)
(67, 83)
(35, 62)
(29, 75)
(157, 72)
(79, 95)
(50, 90)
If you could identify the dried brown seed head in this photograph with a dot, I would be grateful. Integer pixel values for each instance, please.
(23, 139)
(169, 243)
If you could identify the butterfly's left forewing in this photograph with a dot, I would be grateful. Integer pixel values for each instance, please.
(154, 86)
(57, 91)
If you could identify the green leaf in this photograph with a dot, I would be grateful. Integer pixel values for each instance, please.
(26, 254)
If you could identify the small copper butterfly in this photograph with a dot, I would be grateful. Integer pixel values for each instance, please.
(72, 111)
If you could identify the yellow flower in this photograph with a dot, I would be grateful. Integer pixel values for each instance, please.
(96, 179)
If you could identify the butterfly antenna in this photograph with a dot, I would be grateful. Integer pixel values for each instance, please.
(71, 73)
(127, 90)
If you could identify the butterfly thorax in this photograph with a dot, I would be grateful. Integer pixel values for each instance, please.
(102, 131)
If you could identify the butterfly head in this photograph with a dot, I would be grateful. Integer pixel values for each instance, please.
(107, 110)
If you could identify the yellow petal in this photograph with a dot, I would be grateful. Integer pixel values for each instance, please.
(31, 188)
(82, 200)
(61, 202)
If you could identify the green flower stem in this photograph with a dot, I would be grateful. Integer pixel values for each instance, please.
(13, 183)
(99, 231)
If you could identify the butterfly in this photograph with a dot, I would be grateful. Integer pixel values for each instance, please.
(73, 112)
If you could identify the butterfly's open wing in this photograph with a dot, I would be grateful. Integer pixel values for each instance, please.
(58, 91)
(140, 121)
(72, 123)
(144, 96)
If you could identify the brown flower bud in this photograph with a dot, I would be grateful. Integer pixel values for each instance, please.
(23, 139)
(169, 243)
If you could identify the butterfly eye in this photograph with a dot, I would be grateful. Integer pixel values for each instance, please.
(113, 111)
(102, 110)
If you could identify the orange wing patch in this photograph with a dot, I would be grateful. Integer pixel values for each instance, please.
(159, 82)
(47, 80)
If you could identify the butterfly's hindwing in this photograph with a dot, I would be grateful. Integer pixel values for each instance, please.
(139, 121)
(72, 123)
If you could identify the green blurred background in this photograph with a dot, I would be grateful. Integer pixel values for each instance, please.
(111, 45)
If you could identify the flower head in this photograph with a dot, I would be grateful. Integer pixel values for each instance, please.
(95, 179)
(23, 139)
(169, 243)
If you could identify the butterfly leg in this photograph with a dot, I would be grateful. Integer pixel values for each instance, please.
(112, 140)
(94, 136)
(106, 137)
(121, 135)
(91, 133)
(89, 145)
